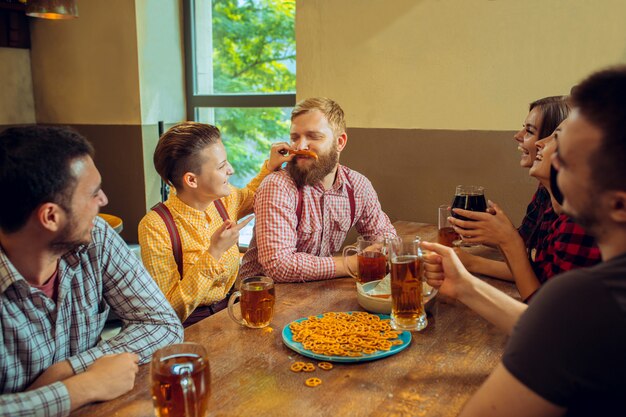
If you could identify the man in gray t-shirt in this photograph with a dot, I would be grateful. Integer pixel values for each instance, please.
(566, 352)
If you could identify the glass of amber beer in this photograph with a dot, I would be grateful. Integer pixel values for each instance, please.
(407, 290)
(181, 380)
(371, 258)
(446, 235)
(257, 298)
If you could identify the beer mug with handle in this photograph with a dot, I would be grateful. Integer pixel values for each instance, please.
(257, 297)
(371, 258)
(407, 289)
(181, 380)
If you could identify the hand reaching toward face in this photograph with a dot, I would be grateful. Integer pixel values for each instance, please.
(279, 154)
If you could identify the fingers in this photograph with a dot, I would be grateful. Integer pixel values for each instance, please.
(281, 149)
(243, 223)
(435, 247)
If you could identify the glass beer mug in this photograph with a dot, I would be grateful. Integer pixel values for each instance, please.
(371, 258)
(257, 302)
(181, 380)
(408, 297)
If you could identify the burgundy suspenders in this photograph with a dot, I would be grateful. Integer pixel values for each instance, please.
(177, 247)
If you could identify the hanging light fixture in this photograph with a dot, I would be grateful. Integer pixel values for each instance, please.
(52, 9)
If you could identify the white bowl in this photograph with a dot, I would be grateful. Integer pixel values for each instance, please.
(377, 304)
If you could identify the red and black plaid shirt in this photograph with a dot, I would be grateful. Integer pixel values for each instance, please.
(538, 205)
(558, 245)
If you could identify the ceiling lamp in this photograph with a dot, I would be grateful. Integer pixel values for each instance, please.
(52, 9)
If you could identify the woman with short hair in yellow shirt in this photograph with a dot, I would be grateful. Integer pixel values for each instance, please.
(205, 208)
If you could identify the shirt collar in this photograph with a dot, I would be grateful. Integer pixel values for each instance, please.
(8, 274)
(340, 178)
(186, 211)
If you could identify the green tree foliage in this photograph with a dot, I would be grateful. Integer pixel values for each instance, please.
(253, 52)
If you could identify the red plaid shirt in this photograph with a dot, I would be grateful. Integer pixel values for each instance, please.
(538, 205)
(558, 245)
(289, 249)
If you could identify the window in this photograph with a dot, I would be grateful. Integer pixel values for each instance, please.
(241, 74)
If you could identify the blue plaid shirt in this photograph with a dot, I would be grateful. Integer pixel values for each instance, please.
(37, 332)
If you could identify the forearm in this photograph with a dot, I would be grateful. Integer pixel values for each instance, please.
(298, 267)
(492, 304)
(489, 267)
(55, 373)
(514, 252)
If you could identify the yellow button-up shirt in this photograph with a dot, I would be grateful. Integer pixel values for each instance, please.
(205, 279)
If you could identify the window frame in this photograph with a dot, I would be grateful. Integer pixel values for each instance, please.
(195, 101)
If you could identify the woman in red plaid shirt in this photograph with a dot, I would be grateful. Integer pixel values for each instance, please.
(557, 244)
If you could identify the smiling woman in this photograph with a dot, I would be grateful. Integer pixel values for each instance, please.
(189, 243)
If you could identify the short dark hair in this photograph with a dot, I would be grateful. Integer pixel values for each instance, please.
(178, 150)
(554, 110)
(601, 99)
(35, 169)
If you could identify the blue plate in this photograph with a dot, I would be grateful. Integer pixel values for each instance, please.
(297, 346)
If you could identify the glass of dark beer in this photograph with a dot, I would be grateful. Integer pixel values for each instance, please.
(468, 197)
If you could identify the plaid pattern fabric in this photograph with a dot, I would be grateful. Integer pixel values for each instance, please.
(205, 279)
(559, 245)
(37, 332)
(289, 249)
(538, 205)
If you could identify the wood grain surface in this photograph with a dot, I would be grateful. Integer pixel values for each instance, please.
(250, 373)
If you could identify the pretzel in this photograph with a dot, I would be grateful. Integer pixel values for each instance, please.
(313, 382)
(327, 366)
(345, 334)
(309, 367)
(297, 366)
(301, 152)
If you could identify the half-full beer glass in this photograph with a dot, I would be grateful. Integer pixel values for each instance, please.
(407, 291)
(371, 257)
(181, 380)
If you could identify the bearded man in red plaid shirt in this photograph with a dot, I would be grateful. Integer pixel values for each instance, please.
(303, 213)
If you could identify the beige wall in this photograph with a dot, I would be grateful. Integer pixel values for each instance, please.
(113, 76)
(85, 70)
(17, 105)
(451, 64)
(433, 89)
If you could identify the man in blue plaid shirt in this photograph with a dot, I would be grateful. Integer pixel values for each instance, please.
(62, 271)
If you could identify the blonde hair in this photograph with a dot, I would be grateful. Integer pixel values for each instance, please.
(329, 108)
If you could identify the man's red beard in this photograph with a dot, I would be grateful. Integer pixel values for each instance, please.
(317, 171)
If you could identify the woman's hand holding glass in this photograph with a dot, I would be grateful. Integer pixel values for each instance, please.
(492, 228)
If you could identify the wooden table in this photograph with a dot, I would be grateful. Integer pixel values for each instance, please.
(434, 376)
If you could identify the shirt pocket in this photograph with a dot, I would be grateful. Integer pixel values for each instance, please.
(341, 224)
(89, 325)
(309, 236)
